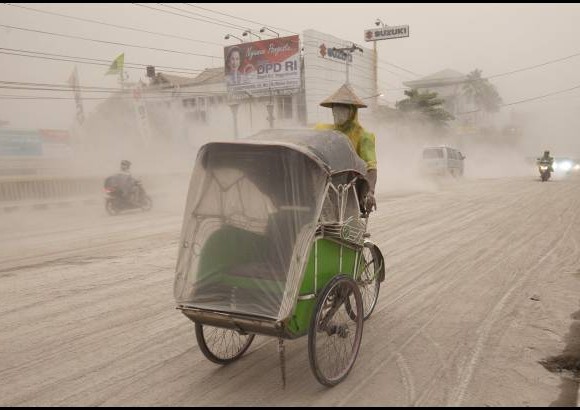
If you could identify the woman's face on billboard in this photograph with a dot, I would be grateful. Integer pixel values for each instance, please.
(235, 60)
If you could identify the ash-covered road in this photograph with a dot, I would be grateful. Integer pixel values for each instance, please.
(482, 284)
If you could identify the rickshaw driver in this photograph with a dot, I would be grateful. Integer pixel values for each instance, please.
(345, 104)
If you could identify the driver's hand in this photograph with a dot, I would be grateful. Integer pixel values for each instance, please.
(370, 202)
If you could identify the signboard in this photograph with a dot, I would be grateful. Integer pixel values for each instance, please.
(325, 72)
(55, 143)
(386, 33)
(263, 66)
(74, 82)
(334, 53)
(35, 143)
(20, 143)
(141, 114)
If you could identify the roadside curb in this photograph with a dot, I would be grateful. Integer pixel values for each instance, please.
(57, 204)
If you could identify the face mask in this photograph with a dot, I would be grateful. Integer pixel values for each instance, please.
(341, 114)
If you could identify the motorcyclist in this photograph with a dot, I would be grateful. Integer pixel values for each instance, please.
(547, 159)
(127, 182)
(344, 104)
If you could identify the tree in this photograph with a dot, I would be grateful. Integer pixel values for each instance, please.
(424, 107)
(481, 93)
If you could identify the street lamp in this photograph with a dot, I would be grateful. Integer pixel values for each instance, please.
(227, 37)
(248, 31)
(266, 28)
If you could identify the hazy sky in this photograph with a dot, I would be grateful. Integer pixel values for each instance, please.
(496, 38)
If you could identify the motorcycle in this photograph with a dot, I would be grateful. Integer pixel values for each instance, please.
(116, 201)
(544, 172)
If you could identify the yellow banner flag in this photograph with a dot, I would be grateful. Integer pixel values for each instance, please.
(117, 66)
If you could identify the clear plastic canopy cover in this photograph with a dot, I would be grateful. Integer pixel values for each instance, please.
(251, 214)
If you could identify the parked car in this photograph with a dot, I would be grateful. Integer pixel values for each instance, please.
(443, 160)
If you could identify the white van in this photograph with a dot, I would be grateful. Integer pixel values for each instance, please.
(442, 160)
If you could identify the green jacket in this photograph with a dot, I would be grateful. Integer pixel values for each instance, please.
(362, 141)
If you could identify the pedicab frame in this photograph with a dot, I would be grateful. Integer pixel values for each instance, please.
(236, 276)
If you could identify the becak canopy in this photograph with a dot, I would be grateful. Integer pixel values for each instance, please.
(251, 214)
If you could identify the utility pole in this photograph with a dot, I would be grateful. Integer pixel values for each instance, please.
(251, 97)
(385, 32)
(270, 108)
(234, 108)
(375, 72)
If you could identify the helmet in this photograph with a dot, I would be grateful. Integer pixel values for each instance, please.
(125, 165)
(344, 96)
(546, 153)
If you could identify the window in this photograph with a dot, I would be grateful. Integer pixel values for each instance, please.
(285, 107)
(189, 102)
(450, 153)
(432, 153)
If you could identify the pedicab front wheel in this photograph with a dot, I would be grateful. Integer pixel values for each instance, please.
(335, 331)
(222, 346)
(368, 279)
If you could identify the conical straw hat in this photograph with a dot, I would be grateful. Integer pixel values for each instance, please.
(344, 95)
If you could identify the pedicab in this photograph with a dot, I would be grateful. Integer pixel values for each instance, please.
(274, 243)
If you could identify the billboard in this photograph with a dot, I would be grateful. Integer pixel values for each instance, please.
(20, 143)
(35, 143)
(263, 66)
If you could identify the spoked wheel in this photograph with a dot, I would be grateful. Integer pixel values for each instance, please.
(335, 333)
(222, 346)
(367, 279)
(110, 207)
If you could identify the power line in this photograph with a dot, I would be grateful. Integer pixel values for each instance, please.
(78, 60)
(520, 69)
(535, 66)
(95, 59)
(107, 64)
(18, 97)
(189, 17)
(210, 18)
(293, 32)
(22, 86)
(108, 42)
(528, 99)
(111, 25)
(240, 18)
(367, 70)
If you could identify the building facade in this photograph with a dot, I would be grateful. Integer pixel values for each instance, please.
(186, 112)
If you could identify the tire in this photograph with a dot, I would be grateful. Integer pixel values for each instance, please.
(147, 203)
(367, 279)
(110, 207)
(331, 326)
(220, 345)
